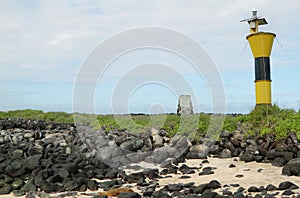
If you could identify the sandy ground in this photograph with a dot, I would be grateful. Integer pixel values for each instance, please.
(251, 176)
(225, 175)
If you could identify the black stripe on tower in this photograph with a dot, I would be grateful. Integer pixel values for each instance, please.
(262, 68)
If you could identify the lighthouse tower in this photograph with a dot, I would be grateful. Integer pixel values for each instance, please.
(261, 46)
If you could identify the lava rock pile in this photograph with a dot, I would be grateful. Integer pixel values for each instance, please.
(46, 157)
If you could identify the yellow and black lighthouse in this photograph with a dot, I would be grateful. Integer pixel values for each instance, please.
(261, 46)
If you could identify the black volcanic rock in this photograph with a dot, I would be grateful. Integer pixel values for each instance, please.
(198, 152)
(111, 173)
(32, 162)
(292, 167)
(129, 195)
(160, 194)
(232, 166)
(253, 189)
(185, 169)
(51, 157)
(109, 184)
(208, 194)
(214, 184)
(206, 171)
(17, 183)
(174, 187)
(132, 145)
(247, 158)
(238, 195)
(134, 177)
(287, 185)
(92, 185)
(226, 153)
(5, 189)
(288, 192)
(285, 155)
(271, 187)
(199, 189)
(279, 161)
(258, 158)
(151, 173)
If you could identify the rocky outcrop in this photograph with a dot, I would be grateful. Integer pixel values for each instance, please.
(259, 149)
(44, 157)
(120, 148)
(282, 153)
(52, 157)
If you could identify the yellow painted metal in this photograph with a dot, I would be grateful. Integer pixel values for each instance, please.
(261, 43)
(263, 92)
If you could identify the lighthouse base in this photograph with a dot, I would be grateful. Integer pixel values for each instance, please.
(263, 92)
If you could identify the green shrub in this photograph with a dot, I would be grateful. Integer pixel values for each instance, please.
(262, 120)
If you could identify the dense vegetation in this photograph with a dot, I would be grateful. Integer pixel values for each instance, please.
(260, 121)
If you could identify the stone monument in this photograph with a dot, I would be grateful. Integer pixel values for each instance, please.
(185, 106)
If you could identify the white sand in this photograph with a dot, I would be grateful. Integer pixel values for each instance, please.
(225, 175)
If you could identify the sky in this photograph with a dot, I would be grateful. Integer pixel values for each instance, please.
(45, 44)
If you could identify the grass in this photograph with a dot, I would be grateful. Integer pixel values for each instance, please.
(260, 121)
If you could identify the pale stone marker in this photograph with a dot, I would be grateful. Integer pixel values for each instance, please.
(185, 106)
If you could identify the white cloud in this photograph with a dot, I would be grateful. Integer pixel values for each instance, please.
(62, 32)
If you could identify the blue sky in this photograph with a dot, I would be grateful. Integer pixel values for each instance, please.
(44, 43)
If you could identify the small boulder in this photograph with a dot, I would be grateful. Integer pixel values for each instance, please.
(287, 185)
(17, 183)
(92, 185)
(129, 195)
(285, 155)
(111, 173)
(226, 153)
(247, 158)
(5, 189)
(160, 155)
(160, 194)
(279, 161)
(288, 192)
(185, 169)
(208, 194)
(134, 177)
(292, 167)
(198, 152)
(271, 187)
(253, 189)
(214, 184)
(206, 171)
(132, 145)
(236, 139)
(29, 186)
(108, 184)
(158, 140)
(73, 184)
(32, 162)
(174, 187)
